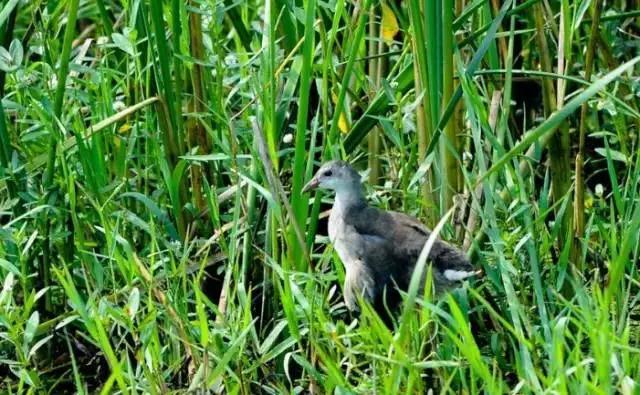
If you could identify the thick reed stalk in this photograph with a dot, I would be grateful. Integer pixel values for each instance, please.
(164, 83)
(423, 110)
(579, 196)
(495, 5)
(168, 82)
(197, 133)
(373, 50)
(453, 175)
(559, 147)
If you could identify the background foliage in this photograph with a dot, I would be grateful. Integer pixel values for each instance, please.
(155, 239)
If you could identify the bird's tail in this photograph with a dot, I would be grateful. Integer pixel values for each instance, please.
(459, 275)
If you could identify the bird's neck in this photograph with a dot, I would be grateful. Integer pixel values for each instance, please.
(349, 197)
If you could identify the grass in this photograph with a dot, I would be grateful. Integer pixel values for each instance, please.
(154, 237)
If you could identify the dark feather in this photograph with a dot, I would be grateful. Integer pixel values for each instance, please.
(393, 242)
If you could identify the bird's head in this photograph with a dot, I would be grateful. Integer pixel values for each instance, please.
(336, 175)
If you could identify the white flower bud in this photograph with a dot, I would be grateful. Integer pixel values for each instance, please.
(599, 190)
(118, 106)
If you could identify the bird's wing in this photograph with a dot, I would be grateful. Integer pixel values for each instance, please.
(446, 258)
(404, 237)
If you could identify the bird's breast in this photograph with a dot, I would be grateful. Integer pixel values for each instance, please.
(336, 235)
(335, 222)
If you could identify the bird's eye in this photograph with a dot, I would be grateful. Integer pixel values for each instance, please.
(328, 173)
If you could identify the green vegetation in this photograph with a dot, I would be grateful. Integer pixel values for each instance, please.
(154, 238)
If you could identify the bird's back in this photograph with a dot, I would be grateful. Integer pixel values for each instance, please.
(399, 240)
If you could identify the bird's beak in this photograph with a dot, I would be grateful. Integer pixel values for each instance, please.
(313, 184)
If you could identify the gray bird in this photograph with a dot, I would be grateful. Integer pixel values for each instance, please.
(380, 248)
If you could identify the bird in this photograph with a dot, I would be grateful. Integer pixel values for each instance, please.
(378, 248)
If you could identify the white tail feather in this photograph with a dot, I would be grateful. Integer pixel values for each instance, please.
(458, 275)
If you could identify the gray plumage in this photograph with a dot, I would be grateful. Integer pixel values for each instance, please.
(380, 248)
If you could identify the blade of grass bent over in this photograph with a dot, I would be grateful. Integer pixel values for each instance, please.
(418, 271)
